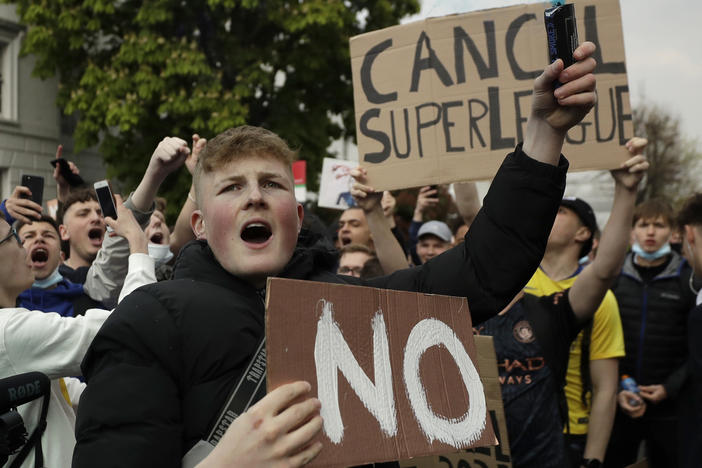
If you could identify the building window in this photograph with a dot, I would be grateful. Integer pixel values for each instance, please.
(10, 36)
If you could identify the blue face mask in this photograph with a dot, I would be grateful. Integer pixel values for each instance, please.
(51, 280)
(650, 256)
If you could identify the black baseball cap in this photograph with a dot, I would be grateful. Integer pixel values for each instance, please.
(587, 217)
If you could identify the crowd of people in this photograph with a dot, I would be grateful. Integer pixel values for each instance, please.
(145, 329)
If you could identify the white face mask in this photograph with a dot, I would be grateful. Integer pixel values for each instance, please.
(52, 280)
(160, 253)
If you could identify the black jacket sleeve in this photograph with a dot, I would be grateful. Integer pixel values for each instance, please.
(129, 414)
(676, 380)
(504, 245)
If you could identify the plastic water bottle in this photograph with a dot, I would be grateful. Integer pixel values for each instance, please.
(629, 384)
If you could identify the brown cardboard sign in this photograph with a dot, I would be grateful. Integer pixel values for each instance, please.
(498, 456)
(395, 371)
(444, 99)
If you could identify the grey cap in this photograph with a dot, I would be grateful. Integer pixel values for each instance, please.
(435, 228)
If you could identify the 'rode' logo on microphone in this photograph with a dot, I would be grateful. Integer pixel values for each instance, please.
(23, 391)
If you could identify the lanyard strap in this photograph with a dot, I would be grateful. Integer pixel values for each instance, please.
(250, 388)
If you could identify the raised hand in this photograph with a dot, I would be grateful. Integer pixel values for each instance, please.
(567, 105)
(198, 146)
(62, 186)
(127, 226)
(553, 112)
(365, 196)
(168, 156)
(426, 198)
(22, 209)
(633, 169)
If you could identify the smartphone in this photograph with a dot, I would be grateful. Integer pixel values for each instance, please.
(561, 33)
(36, 185)
(74, 180)
(105, 199)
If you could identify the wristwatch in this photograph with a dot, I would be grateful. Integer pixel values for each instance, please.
(591, 463)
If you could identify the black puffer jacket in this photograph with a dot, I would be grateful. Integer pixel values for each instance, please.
(161, 367)
(654, 320)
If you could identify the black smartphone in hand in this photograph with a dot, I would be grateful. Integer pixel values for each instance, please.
(561, 33)
(36, 185)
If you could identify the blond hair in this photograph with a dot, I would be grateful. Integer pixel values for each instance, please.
(238, 143)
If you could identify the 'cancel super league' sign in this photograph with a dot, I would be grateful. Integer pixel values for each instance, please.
(395, 371)
(444, 99)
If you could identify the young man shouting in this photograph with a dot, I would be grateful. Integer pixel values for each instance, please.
(168, 358)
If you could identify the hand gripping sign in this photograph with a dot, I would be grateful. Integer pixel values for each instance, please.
(395, 371)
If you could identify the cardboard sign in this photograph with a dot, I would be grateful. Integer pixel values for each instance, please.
(498, 456)
(445, 99)
(299, 169)
(335, 186)
(395, 371)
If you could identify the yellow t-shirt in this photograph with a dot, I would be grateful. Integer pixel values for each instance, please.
(606, 342)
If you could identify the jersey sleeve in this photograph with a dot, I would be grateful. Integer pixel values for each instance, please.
(607, 339)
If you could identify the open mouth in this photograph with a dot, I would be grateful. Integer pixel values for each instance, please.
(39, 257)
(95, 235)
(157, 238)
(256, 233)
(345, 240)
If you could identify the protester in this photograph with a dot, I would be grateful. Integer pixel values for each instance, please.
(353, 258)
(159, 235)
(690, 222)
(459, 233)
(372, 269)
(532, 339)
(591, 378)
(433, 238)
(210, 317)
(654, 301)
(82, 228)
(426, 198)
(50, 291)
(387, 240)
(353, 228)
(32, 340)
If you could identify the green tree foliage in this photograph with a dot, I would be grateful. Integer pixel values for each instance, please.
(133, 72)
(675, 160)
